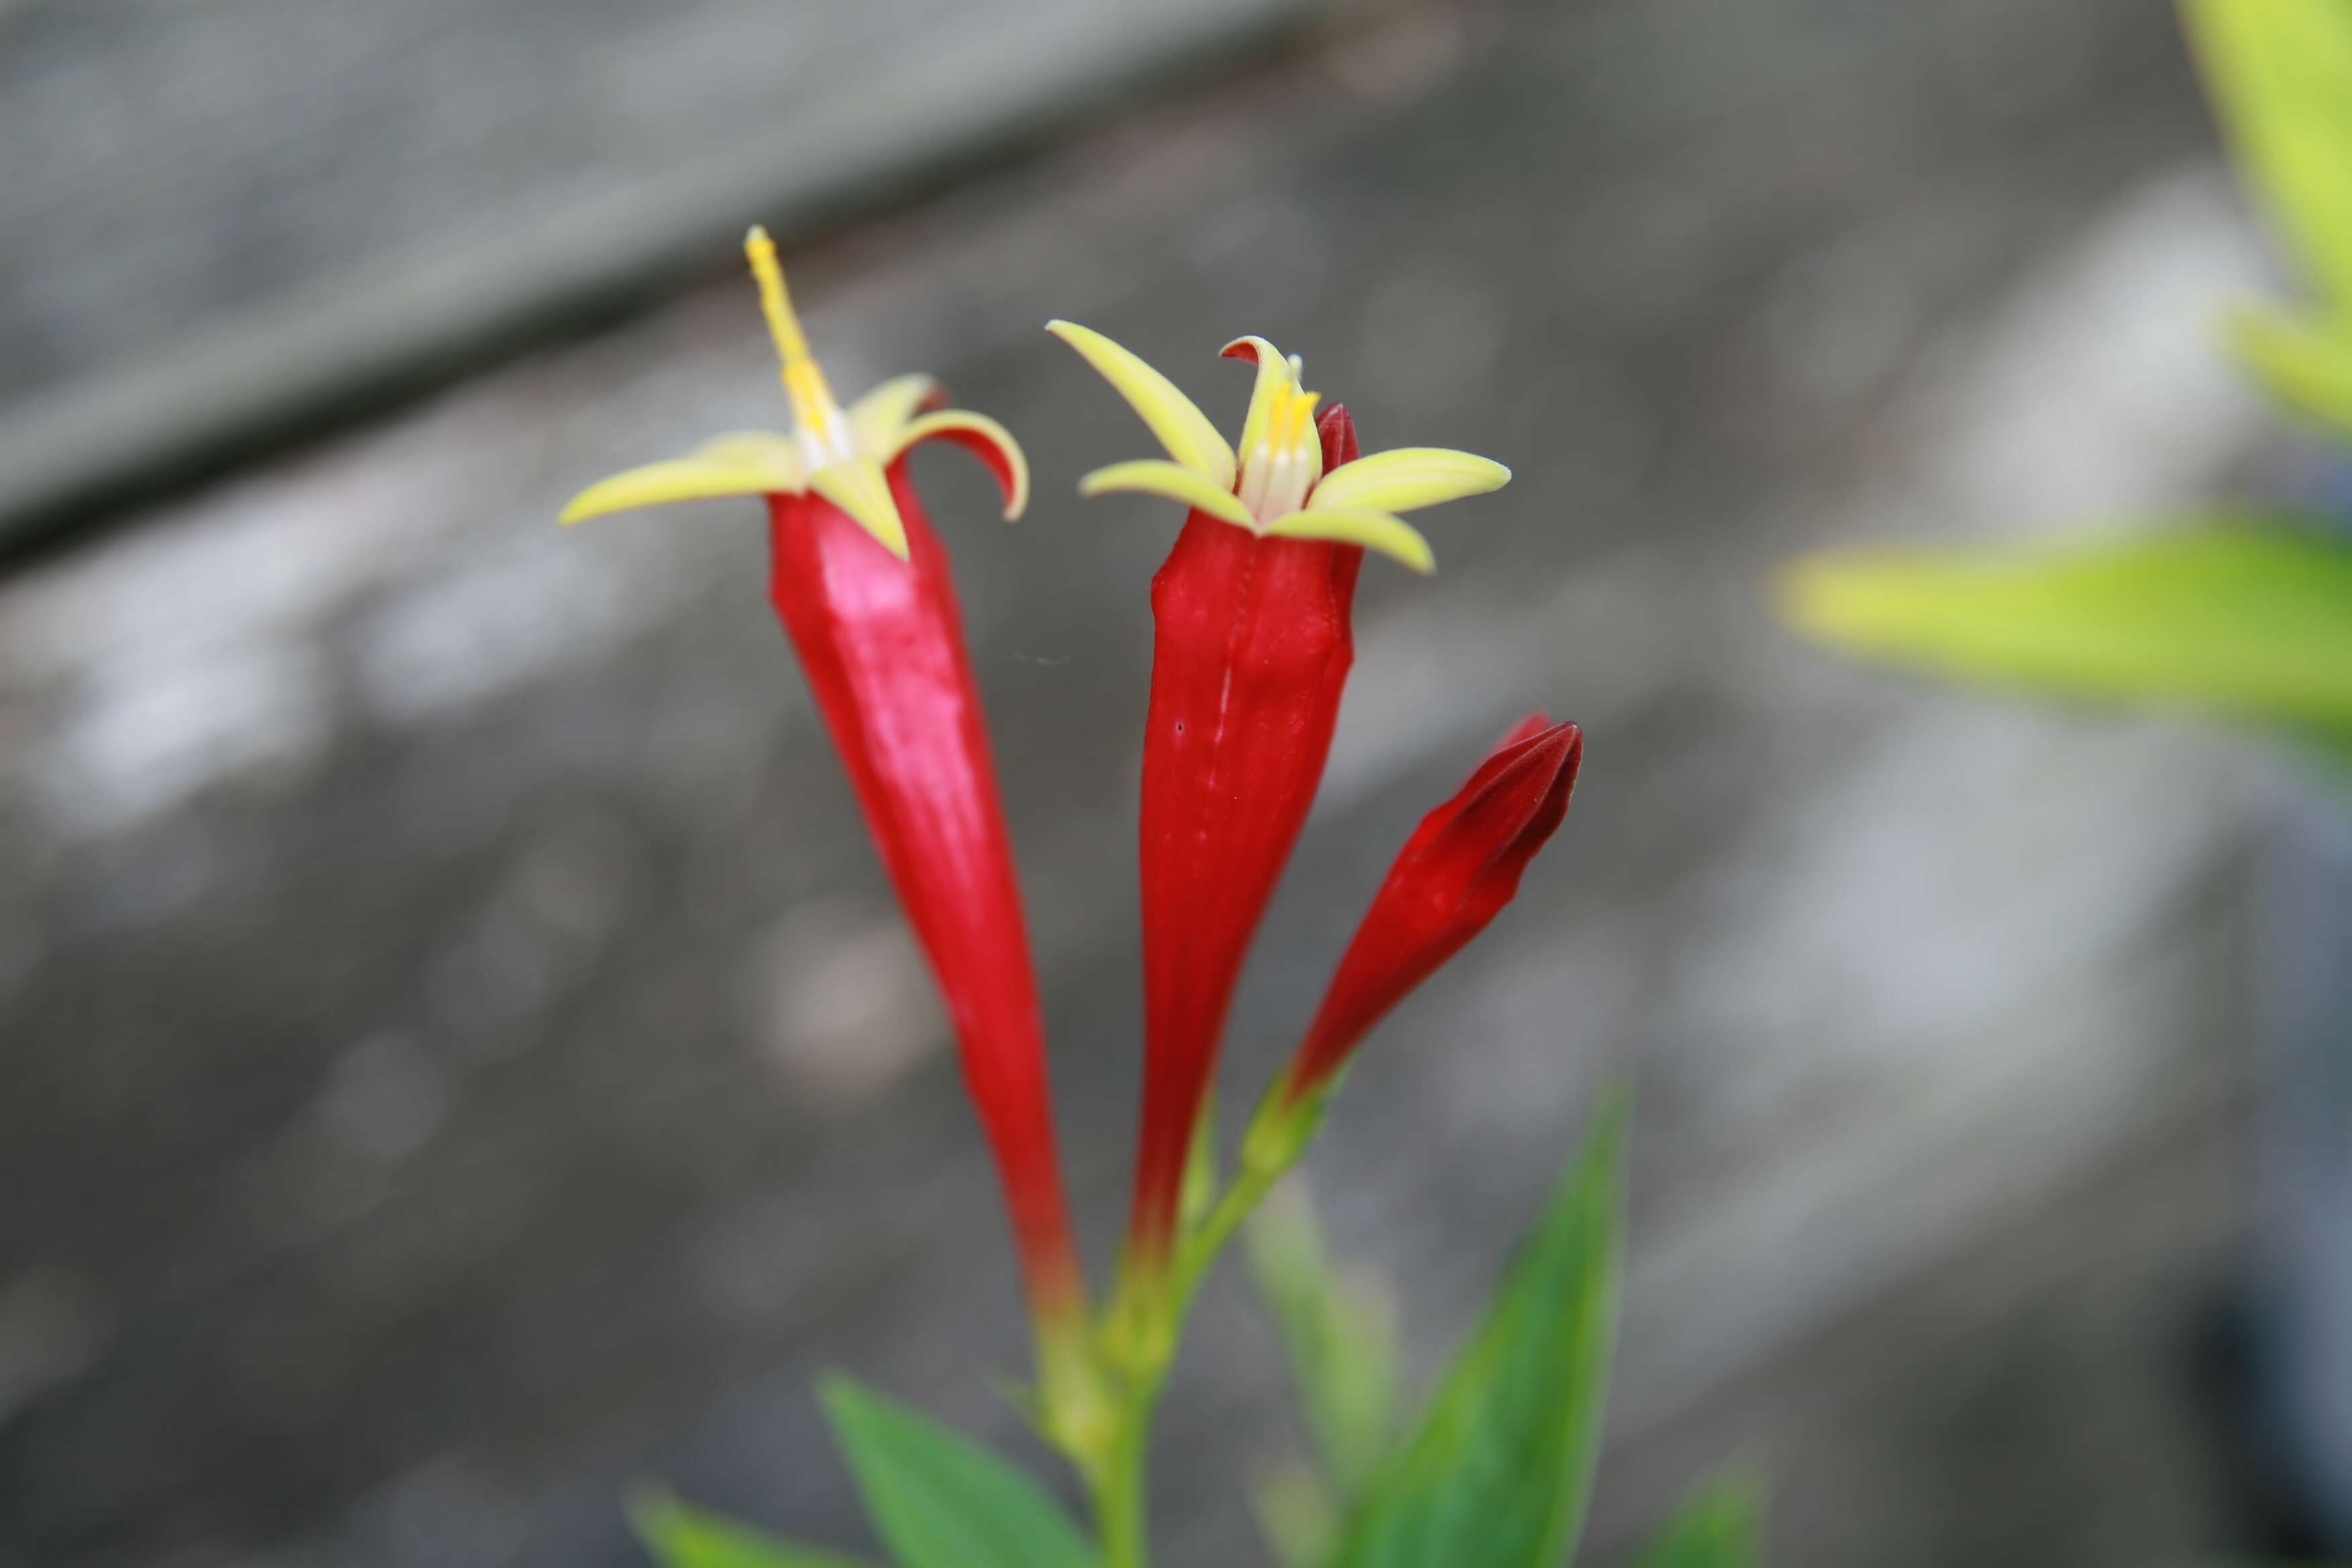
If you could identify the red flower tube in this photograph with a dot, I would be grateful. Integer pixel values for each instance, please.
(1461, 866)
(1251, 651)
(863, 588)
(881, 641)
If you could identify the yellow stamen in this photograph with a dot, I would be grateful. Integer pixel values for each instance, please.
(821, 424)
(1302, 424)
(1282, 468)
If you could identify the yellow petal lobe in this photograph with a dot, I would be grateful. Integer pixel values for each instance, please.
(1151, 477)
(1173, 418)
(859, 488)
(1406, 477)
(730, 466)
(881, 415)
(984, 438)
(1391, 536)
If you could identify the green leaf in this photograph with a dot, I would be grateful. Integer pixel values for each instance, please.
(939, 1500)
(2305, 362)
(2254, 622)
(1721, 1527)
(683, 1537)
(1338, 1336)
(1498, 1474)
(2280, 73)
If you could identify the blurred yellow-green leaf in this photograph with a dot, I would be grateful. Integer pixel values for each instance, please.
(2305, 362)
(2253, 621)
(2280, 74)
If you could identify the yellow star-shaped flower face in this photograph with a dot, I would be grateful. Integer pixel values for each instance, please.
(1274, 485)
(843, 454)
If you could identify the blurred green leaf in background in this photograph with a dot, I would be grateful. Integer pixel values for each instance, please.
(2280, 73)
(2245, 617)
(683, 1537)
(940, 1500)
(1721, 1527)
(1339, 1334)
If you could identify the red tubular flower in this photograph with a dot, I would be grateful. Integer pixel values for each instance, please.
(862, 585)
(1461, 866)
(1251, 651)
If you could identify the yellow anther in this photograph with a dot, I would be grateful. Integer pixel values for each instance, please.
(1302, 431)
(819, 417)
(1289, 418)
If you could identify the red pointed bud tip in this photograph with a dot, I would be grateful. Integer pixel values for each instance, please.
(1338, 428)
(1461, 866)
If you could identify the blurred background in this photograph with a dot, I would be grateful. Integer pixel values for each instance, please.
(460, 1054)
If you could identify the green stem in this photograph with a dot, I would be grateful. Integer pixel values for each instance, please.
(1152, 1313)
(1200, 1250)
(1120, 1490)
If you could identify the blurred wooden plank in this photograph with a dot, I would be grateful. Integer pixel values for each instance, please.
(325, 211)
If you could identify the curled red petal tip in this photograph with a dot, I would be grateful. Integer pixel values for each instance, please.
(1461, 866)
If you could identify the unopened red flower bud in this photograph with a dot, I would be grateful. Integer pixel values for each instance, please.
(1461, 866)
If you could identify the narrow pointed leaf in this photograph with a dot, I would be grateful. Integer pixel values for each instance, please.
(939, 1499)
(1722, 1526)
(2250, 621)
(1498, 1474)
(1169, 482)
(2280, 72)
(682, 1537)
(1171, 416)
(1405, 477)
